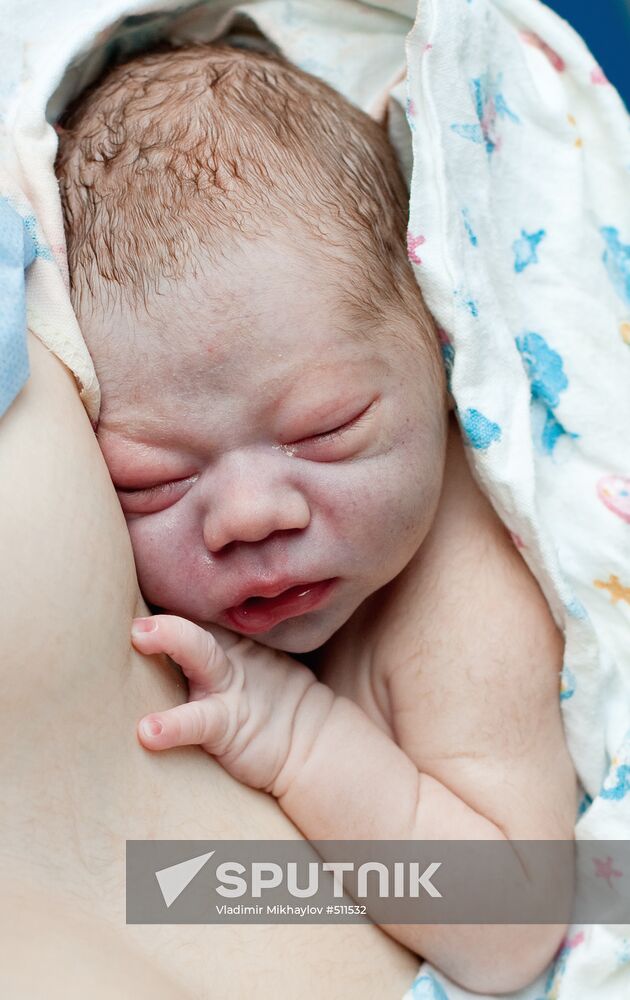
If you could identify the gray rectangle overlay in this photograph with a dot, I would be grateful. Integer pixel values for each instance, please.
(388, 882)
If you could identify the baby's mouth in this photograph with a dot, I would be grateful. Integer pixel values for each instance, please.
(260, 614)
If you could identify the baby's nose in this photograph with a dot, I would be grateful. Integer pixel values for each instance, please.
(250, 509)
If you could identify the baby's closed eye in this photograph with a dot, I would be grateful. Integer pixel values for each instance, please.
(150, 499)
(336, 442)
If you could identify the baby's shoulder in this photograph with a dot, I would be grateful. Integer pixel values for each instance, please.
(471, 662)
(459, 660)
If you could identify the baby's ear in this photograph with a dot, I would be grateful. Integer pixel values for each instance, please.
(452, 406)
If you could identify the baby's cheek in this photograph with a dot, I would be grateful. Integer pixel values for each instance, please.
(148, 554)
(400, 505)
(165, 561)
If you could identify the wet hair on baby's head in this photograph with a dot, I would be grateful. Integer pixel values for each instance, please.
(179, 151)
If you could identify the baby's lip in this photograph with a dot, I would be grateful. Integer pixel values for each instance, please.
(259, 612)
(267, 588)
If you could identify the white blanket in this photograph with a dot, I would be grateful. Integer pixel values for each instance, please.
(517, 153)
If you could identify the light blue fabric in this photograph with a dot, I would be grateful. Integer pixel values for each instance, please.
(17, 252)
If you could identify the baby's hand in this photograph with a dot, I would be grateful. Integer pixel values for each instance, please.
(243, 700)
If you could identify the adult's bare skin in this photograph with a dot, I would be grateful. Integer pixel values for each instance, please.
(75, 782)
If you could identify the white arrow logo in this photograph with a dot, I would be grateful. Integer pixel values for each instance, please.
(173, 880)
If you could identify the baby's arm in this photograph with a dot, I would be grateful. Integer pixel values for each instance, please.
(272, 725)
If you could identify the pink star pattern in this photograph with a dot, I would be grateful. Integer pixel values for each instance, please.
(605, 870)
(413, 242)
(533, 39)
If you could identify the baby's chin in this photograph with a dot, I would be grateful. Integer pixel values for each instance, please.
(292, 636)
(304, 633)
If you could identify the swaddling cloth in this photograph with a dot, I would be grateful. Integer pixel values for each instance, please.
(516, 150)
(519, 233)
(17, 253)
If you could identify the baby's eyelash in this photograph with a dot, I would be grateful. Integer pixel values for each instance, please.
(341, 429)
(152, 490)
(334, 433)
(145, 490)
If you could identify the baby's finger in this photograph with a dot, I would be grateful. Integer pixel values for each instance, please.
(197, 652)
(225, 638)
(204, 722)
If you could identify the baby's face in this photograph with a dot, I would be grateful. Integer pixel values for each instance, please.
(276, 465)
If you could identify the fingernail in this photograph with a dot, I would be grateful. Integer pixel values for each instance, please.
(142, 625)
(151, 727)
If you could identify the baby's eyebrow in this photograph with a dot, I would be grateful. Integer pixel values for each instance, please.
(342, 374)
(312, 382)
(339, 369)
(115, 434)
(129, 460)
(333, 406)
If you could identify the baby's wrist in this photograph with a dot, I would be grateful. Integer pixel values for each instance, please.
(309, 723)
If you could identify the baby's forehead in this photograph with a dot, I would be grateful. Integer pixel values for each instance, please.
(262, 292)
(274, 312)
(195, 352)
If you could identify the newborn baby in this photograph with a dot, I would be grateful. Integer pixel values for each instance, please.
(276, 423)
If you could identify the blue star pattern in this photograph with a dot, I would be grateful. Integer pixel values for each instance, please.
(575, 608)
(448, 357)
(525, 249)
(544, 368)
(466, 300)
(585, 802)
(567, 684)
(472, 236)
(621, 778)
(426, 987)
(553, 430)
(489, 104)
(623, 954)
(616, 258)
(547, 380)
(480, 431)
(557, 970)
